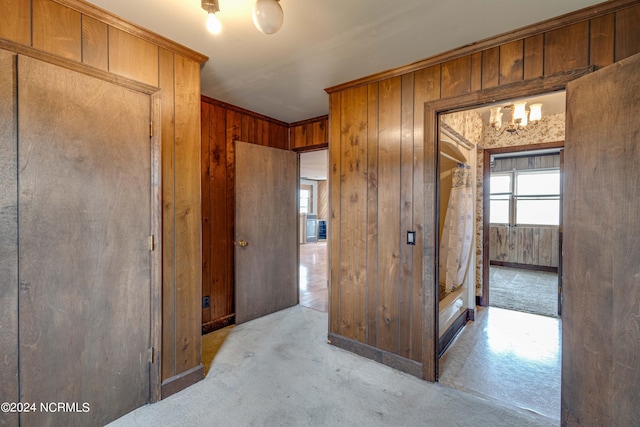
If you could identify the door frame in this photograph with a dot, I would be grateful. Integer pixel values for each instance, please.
(486, 172)
(432, 110)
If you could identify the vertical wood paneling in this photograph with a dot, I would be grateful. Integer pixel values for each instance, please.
(456, 77)
(354, 214)
(205, 180)
(334, 226)
(15, 21)
(512, 62)
(372, 215)
(627, 32)
(490, 67)
(566, 48)
(188, 214)
(476, 71)
(601, 36)
(167, 86)
(533, 56)
(406, 218)
(9, 387)
(390, 122)
(95, 51)
(132, 57)
(57, 29)
(232, 133)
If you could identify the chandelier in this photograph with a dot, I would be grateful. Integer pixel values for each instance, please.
(521, 119)
(267, 15)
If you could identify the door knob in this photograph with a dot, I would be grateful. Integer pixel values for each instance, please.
(243, 243)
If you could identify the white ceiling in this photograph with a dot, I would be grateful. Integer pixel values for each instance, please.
(324, 43)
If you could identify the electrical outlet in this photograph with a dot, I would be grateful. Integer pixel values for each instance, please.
(206, 302)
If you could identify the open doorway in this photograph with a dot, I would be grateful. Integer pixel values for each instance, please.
(313, 214)
(508, 355)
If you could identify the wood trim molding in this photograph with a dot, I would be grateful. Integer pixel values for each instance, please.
(392, 360)
(220, 323)
(528, 31)
(525, 266)
(308, 121)
(133, 29)
(237, 109)
(316, 147)
(181, 381)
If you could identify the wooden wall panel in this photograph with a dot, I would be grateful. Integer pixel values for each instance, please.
(309, 133)
(205, 177)
(602, 41)
(57, 29)
(167, 85)
(512, 62)
(627, 32)
(490, 68)
(133, 57)
(533, 56)
(15, 21)
(188, 214)
(476, 71)
(566, 48)
(372, 215)
(536, 246)
(389, 234)
(456, 77)
(353, 151)
(95, 40)
(9, 385)
(334, 226)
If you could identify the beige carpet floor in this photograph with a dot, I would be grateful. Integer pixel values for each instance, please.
(528, 291)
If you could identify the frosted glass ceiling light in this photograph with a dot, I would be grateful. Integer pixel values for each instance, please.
(521, 119)
(268, 16)
(213, 24)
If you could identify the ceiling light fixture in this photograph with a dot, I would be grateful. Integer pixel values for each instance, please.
(521, 119)
(213, 24)
(268, 16)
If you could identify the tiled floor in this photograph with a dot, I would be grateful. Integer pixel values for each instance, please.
(313, 276)
(508, 356)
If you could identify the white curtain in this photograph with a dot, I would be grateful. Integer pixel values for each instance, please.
(457, 235)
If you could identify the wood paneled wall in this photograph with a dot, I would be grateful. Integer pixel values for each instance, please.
(222, 124)
(311, 133)
(534, 246)
(376, 143)
(83, 34)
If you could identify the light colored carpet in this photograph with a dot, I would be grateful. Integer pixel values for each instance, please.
(528, 291)
(280, 371)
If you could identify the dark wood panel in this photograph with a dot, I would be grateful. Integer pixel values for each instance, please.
(476, 71)
(627, 32)
(166, 78)
(9, 387)
(372, 214)
(205, 180)
(232, 134)
(456, 77)
(95, 39)
(389, 234)
(133, 57)
(533, 56)
(512, 62)
(188, 223)
(353, 218)
(57, 29)
(600, 338)
(490, 67)
(601, 41)
(15, 21)
(566, 48)
(85, 221)
(333, 225)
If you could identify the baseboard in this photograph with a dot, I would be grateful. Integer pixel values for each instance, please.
(220, 323)
(480, 301)
(525, 266)
(181, 381)
(454, 329)
(392, 360)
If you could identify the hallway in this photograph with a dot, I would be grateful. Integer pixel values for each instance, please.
(313, 276)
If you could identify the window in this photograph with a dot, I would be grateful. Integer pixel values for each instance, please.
(526, 197)
(304, 201)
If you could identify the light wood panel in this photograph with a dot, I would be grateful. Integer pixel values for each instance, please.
(490, 67)
(334, 226)
(372, 213)
(15, 21)
(456, 77)
(600, 337)
(133, 57)
(9, 386)
(95, 51)
(57, 29)
(309, 133)
(85, 220)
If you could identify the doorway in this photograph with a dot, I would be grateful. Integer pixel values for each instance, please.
(313, 212)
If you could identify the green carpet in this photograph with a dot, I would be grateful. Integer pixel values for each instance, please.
(528, 291)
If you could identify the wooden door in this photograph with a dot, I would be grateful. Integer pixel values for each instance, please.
(600, 332)
(84, 261)
(266, 269)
